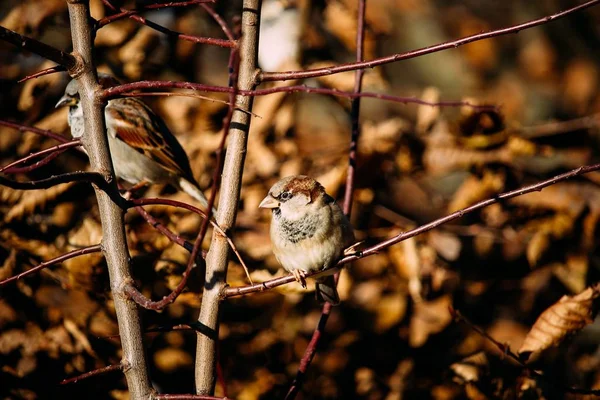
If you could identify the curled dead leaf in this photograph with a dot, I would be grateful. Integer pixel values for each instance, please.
(564, 318)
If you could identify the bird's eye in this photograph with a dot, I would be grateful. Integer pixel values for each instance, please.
(285, 196)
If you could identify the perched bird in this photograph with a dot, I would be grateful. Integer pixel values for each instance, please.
(309, 231)
(142, 148)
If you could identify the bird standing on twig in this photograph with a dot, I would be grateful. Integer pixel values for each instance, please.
(309, 231)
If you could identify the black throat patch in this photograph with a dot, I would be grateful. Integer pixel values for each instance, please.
(295, 231)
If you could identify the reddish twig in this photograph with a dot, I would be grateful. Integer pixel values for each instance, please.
(284, 76)
(556, 127)
(80, 176)
(42, 49)
(219, 20)
(128, 13)
(131, 88)
(187, 397)
(99, 371)
(72, 254)
(506, 351)
(175, 203)
(43, 132)
(372, 95)
(169, 32)
(311, 349)
(50, 153)
(47, 71)
(260, 287)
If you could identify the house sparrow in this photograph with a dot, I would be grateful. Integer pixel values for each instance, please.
(142, 148)
(309, 231)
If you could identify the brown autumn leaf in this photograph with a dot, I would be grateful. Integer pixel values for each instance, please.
(35, 200)
(470, 368)
(564, 318)
(429, 318)
(475, 189)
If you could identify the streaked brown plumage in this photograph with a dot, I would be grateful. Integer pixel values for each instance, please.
(142, 148)
(309, 231)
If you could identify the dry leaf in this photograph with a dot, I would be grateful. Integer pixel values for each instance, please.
(564, 318)
(429, 317)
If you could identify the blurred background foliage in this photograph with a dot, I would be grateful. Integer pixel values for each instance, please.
(393, 336)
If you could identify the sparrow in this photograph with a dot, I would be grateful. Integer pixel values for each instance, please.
(143, 149)
(309, 231)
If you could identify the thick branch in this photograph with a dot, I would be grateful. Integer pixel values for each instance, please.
(39, 48)
(217, 257)
(114, 242)
(261, 287)
(284, 76)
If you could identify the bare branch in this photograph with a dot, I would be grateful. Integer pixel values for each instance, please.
(260, 287)
(216, 260)
(219, 20)
(72, 254)
(284, 76)
(187, 397)
(169, 32)
(130, 89)
(175, 203)
(47, 71)
(60, 57)
(51, 153)
(311, 349)
(128, 13)
(43, 132)
(99, 371)
(114, 242)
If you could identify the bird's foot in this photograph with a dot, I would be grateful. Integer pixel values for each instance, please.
(300, 277)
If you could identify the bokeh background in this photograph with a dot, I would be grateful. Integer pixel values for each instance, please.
(393, 336)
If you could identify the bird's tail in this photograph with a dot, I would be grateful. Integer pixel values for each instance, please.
(326, 291)
(193, 190)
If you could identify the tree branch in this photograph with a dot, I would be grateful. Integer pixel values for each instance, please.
(311, 349)
(217, 257)
(261, 287)
(284, 76)
(72, 254)
(114, 243)
(58, 56)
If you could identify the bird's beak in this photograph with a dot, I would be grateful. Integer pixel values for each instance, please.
(66, 101)
(268, 202)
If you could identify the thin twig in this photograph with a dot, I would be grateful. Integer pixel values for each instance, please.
(47, 71)
(38, 131)
(187, 397)
(122, 90)
(39, 48)
(506, 351)
(96, 372)
(219, 20)
(556, 127)
(261, 287)
(171, 33)
(50, 153)
(175, 203)
(127, 13)
(72, 254)
(312, 73)
(311, 349)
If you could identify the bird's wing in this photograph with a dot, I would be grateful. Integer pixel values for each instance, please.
(133, 122)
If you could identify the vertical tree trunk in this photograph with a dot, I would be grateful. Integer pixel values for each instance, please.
(114, 243)
(216, 259)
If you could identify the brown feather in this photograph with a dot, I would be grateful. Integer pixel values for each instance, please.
(135, 123)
